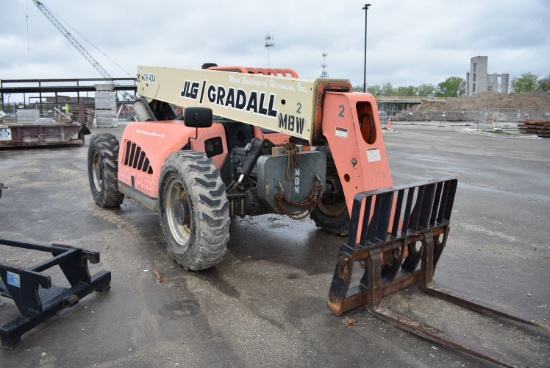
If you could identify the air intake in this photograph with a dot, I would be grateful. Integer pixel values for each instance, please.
(136, 158)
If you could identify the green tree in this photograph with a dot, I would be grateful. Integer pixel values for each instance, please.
(375, 89)
(527, 82)
(387, 90)
(425, 89)
(544, 85)
(406, 91)
(451, 87)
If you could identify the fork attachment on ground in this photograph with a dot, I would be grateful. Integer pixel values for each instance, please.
(396, 237)
(33, 292)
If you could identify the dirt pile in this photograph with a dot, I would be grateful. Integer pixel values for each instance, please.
(488, 100)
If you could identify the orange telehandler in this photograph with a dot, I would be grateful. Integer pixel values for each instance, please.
(276, 144)
(252, 141)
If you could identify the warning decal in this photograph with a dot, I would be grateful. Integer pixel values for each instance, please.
(341, 132)
(373, 155)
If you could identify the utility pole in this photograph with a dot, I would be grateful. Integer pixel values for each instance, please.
(365, 8)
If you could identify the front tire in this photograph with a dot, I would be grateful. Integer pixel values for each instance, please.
(103, 170)
(194, 211)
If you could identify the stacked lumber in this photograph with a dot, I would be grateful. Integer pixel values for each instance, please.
(538, 127)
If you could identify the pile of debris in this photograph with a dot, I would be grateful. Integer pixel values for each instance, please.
(488, 100)
(483, 108)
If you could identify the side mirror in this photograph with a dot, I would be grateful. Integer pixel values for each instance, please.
(197, 117)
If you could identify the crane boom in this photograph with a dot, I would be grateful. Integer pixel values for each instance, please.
(76, 44)
(71, 39)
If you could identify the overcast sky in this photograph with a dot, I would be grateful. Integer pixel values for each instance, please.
(408, 43)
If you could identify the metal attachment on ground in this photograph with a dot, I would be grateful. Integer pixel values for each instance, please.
(33, 293)
(398, 234)
(308, 204)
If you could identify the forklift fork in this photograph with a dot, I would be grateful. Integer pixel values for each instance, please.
(397, 236)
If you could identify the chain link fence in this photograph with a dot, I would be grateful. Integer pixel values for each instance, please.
(485, 119)
(463, 116)
(505, 118)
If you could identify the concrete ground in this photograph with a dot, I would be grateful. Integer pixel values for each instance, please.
(265, 303)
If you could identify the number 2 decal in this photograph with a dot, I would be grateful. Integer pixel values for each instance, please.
(299, 109)
(341, 114)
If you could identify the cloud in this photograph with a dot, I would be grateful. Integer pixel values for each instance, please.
(409, 43)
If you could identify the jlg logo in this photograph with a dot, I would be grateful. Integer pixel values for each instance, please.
(190, 89)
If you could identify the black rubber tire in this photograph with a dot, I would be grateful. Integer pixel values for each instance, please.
(194, 210)
(332, 215)
(103, 170)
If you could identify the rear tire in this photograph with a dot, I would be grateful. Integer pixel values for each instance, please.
(331, 213)
(103, 170)
(194, 211)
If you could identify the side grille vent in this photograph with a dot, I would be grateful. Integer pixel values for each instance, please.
(136, 158)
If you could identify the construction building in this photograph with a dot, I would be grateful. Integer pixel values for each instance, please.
(479, 80)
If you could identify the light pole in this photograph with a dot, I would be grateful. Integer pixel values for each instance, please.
(269, 42)
(324, 74)
(365, 8)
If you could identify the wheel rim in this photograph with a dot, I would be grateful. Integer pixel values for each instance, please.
(96, 172)
(178, 212)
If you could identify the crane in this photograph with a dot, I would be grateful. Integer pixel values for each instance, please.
(57, 24)
(78, 46)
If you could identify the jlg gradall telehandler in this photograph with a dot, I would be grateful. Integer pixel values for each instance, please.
(252, 141)
(275, 144)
